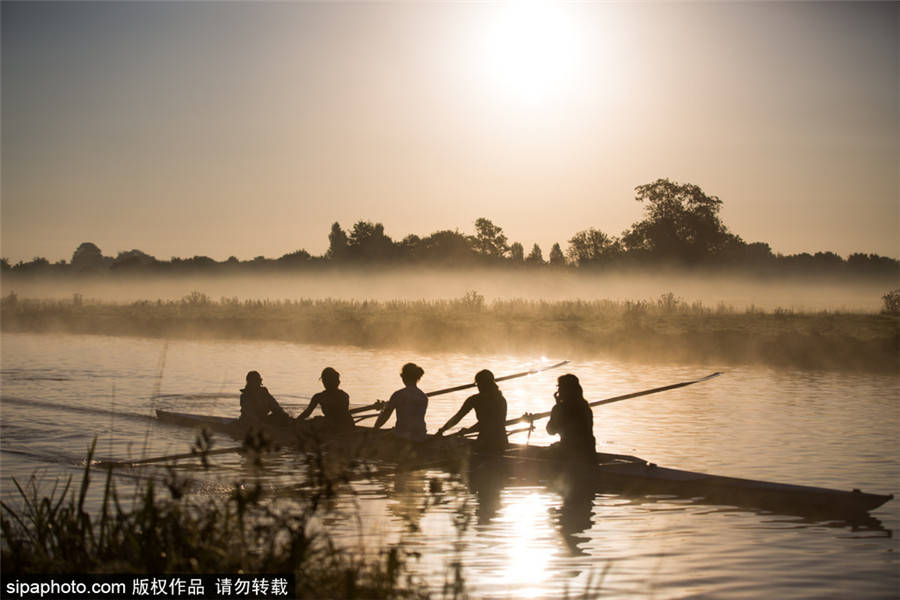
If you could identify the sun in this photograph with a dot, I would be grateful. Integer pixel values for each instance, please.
(531, 49)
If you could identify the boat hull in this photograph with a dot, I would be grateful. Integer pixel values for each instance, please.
(632, 476)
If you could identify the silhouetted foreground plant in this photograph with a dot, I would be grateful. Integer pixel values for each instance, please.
(892, 302)
(242, 533)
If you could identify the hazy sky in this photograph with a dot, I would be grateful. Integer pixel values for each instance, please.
(248, 128)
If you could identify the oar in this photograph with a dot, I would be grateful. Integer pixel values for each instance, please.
(470, 431)
(374, 406)
(171, 457)
(360, 409)
(534, 417)
(471, 385)
(664, 388)
(498, 379)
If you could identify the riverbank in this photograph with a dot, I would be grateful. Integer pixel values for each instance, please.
(167, 530)
(665, 330)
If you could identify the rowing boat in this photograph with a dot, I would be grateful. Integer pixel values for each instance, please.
(221, 424)
(632, 476)
(360, 444)
(611, 473)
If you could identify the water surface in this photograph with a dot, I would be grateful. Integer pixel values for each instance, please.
(61, 392)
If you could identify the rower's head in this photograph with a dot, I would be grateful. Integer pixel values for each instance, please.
(254, 378)
(331, 379)
(569, 386)
(485, 380)
(411, 373)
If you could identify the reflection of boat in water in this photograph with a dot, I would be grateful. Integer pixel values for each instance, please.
(633, 477)
(611, 473)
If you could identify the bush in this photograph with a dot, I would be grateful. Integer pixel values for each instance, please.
(891, 302)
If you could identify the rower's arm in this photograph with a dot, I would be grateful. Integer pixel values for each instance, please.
(276, 408)
(308, 410)
(462, 412)
(553, 423)
(385, 415)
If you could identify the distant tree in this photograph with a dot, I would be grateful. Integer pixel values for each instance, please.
(407, 248)
(38, 264)
(591, 246)
(338, 246)
(445, 247)
(557, 258)
(489, 240)
(860, 262)
(295, 259)
(517, 253)
(802, 262)
(231, 264)
(828, 261)
(535, 257)
(140, 255)
(681, 223)
(196, 264)
(758, 253)
(131, 260)
(87, 257)
(367, 242)
(4, 265)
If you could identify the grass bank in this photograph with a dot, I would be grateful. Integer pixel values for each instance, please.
(163, 529)
(665, 329)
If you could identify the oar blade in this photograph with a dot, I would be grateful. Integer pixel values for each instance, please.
(534, 417)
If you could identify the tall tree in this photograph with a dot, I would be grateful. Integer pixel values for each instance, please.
(489, 239)
(446, 247)
(87, 257)
(517, 253)
(591, 246)
(369, 243)
(338, 245)
(132, 260)
(535, 257)
(557, 258)
(681, 223)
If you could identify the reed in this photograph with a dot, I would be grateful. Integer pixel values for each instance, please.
(665, 329)
(167, 531)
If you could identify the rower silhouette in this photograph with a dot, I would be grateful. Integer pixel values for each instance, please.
(410, 403)
(490, 410)
(572, 419)
(335, 405)
(258, 406)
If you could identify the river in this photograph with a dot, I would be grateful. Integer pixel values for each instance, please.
(817, 428)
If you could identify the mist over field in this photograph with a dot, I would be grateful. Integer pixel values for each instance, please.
(813, 293)
(698, 318)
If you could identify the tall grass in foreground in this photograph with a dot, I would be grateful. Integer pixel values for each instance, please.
(165, 532)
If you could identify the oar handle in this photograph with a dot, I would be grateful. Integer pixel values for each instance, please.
(364, 417)
(377, 405)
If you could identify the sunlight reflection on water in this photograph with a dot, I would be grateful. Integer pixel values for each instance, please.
(514, 541)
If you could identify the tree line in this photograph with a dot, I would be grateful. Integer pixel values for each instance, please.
(680, 227)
